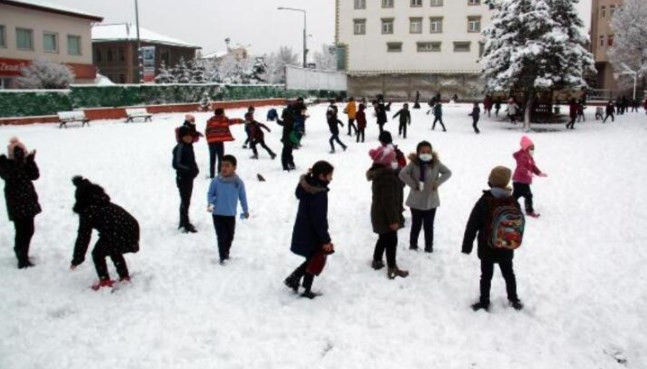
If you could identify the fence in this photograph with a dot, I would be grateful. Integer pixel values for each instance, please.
(21, 103)
(312, 79)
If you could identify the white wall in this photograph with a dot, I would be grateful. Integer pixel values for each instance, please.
(367, 53)
(310, 79)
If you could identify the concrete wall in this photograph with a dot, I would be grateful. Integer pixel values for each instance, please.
(404, 87)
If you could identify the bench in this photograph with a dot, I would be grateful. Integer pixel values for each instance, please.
(138, 113)
(66, 117)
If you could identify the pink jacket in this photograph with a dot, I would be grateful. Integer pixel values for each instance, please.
(525, 167)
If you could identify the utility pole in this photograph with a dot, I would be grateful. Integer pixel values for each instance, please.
(140, 62)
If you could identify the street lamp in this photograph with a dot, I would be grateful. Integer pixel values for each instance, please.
(305, 37)
(629, 72)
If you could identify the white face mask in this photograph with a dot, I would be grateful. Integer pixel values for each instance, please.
(394, 166)
(425, 157)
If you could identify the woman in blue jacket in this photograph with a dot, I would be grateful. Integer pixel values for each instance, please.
(310, 237)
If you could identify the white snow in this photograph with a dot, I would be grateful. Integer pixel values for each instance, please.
(128, 32)
(581, 271)
(54, 6)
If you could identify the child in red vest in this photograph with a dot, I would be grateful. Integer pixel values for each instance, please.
(218, 133)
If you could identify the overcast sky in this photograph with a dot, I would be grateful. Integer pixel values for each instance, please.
(257, 23)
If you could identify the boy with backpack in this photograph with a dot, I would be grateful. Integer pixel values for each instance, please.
(405, 119)
(499, 223)
(224, 193)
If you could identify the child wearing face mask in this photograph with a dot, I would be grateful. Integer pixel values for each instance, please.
(522, 178)
(424, 174)
(18, 169)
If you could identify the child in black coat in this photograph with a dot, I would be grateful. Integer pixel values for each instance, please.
(405, 119)
(257, 136)
(186, 170)
(479, 222)
(118, 231)
(475, 114)
(333, 125)
(19, 170)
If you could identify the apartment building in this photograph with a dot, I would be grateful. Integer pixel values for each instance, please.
(398, 47)
(31, 30)
(602, 40)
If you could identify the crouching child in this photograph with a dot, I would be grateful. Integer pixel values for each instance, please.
(224, 193)
(499, 223)
(310, 237)
(118, 232)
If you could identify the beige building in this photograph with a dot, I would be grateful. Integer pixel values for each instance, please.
(30, 30)
(602, 40)
(398, 47)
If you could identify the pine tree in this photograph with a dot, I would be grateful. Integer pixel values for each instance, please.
(528, 52)
(182, 72)
(198, 72)
(165, 75)
(259, 70)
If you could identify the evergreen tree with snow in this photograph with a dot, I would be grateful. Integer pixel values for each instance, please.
(629, 50)
(198, 72)
(182, 72)
(259, 70)
(164, 75)
(528, 52)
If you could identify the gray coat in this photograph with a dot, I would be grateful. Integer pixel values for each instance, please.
(436, 172)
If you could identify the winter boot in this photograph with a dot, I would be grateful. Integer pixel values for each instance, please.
(102, 283)
(273, 156)
(516, 304)
(24, 264)
(533, 214)
(429, 249)
(292, 283)
(309, 294)
(413, 247)
(481, 305)
(377, 264)
(396, 272)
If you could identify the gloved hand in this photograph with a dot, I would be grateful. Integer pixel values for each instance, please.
(244, 216)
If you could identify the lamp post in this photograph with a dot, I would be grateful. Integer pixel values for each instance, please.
(140, 61)
(629, 72)
(305, 37)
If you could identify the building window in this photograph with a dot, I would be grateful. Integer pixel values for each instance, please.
(359, 26)
(603, 11)
(426, 47)
(473, 2)
(3, 42)
(360, 4)
(415, 25)
(109, 55)
(387, 26)
(461, 47)
(387, 3)
(50, 42)
(612, 10)
(602, 41)
(394, 47)
(73, 45)
(610, 40)
(416, 3)
(474, 24)
(436, 2)
(120, 51)
(436, 25)
(24, 39)
(97, 55)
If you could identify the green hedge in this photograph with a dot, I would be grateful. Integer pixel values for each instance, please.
(17, 103)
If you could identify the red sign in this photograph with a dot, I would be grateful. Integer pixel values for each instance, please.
(12, 67)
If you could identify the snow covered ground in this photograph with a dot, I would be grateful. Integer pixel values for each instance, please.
(581, 272)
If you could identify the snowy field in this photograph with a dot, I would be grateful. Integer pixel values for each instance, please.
(581, 272)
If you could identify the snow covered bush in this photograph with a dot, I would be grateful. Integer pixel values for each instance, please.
(44, 74)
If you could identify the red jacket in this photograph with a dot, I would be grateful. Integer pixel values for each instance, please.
(218, 128)
(525, 167)
(361, 119)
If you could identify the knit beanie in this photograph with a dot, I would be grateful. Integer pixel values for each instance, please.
(383, 155)
(526, 142)
(11, 148)
(385, 138)
(87, 193)
(190, 118)
(500, 177)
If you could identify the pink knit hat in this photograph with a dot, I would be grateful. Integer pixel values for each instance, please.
(526, 142)
(189, 118)
(13, 143)
(384, 155)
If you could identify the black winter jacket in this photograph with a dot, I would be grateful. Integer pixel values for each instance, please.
(477, 223)
(310, 231)
(184, 161)
(405, 116)
(19, 191)
(333, 123)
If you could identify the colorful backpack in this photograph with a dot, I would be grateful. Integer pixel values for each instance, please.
(506, 225)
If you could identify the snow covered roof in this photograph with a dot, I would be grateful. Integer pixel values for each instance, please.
(217, 54)
(52, 8)
(128, 32)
